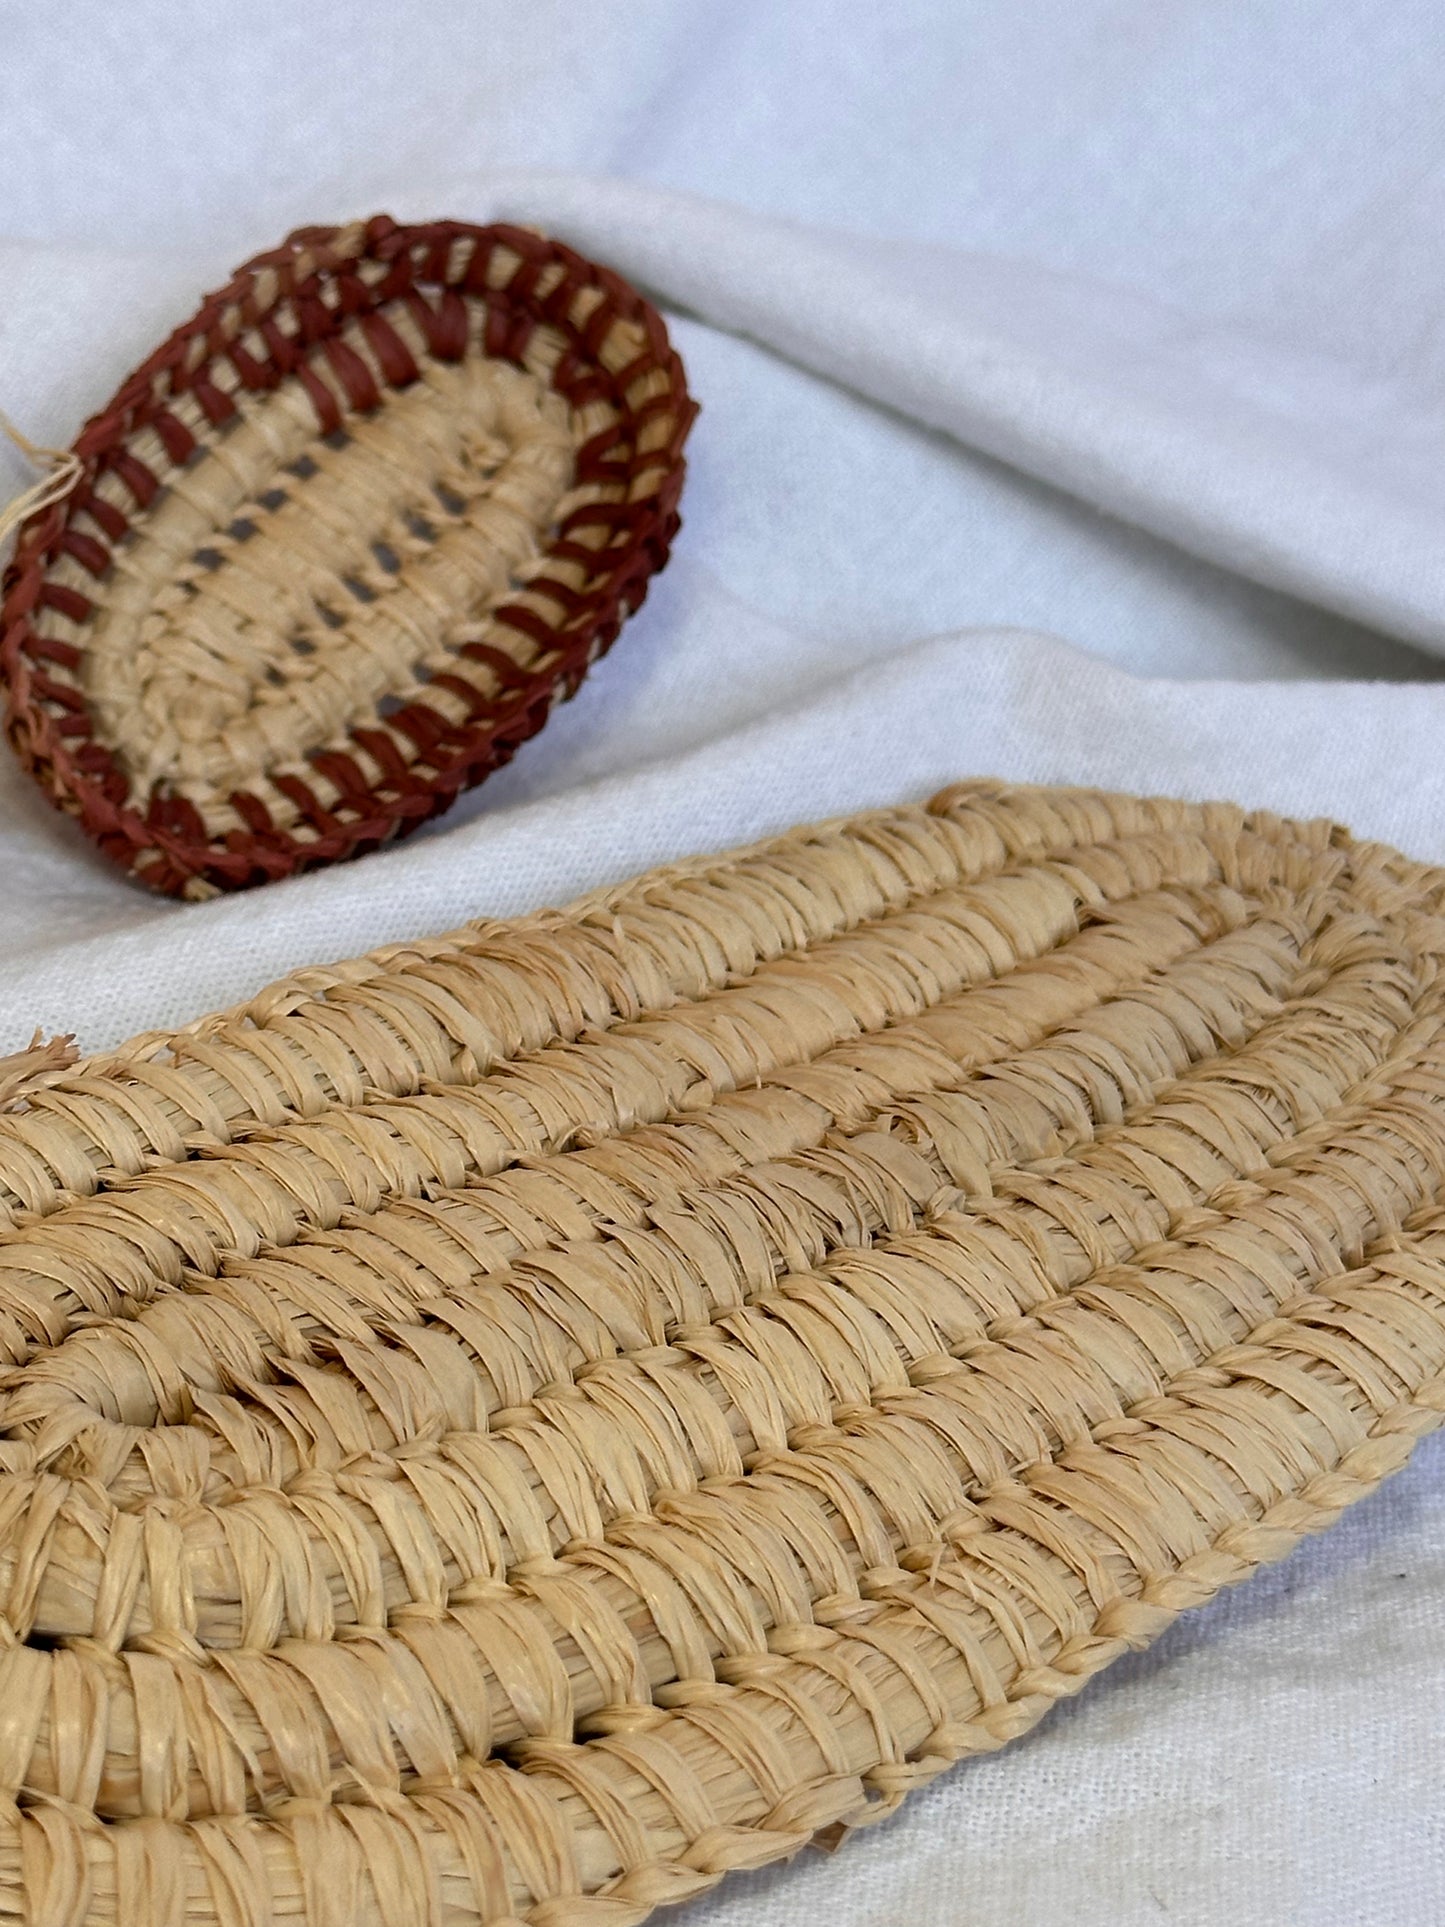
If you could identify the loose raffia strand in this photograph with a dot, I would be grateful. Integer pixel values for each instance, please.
(26, 1070)
(64, 467)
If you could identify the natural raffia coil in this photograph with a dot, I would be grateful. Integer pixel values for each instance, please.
(512, 1427)
(331, 554)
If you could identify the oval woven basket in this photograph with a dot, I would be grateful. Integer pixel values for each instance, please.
(512, 1427)
(336, 548)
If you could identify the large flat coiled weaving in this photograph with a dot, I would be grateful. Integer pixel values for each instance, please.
(513, 1427)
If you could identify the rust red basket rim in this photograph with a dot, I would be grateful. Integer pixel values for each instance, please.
(298, 298)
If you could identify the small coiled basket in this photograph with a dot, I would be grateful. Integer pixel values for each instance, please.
(332, 553)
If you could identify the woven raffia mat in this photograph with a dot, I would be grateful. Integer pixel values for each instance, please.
(515, 1426)
(332, 553)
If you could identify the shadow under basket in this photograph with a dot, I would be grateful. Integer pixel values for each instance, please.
(337, 547)
(509, 1428)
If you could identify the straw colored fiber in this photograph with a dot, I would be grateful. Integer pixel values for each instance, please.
(332, 553)
(513, 1427)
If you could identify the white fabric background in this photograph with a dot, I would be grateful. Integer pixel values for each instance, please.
(1073, 376)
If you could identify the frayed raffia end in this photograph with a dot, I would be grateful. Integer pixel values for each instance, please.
(64, 467)
(829, 1839)
(28, 1069)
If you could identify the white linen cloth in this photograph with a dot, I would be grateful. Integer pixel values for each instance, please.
(1073, 378)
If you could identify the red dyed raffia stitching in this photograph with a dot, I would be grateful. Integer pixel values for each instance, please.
(311, 292)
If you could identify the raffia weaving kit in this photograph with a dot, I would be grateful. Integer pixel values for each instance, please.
(512, 1427)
